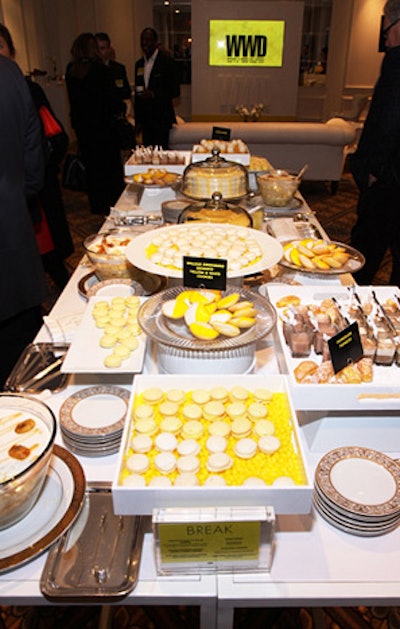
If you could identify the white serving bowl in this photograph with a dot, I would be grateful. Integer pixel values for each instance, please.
(28, 433)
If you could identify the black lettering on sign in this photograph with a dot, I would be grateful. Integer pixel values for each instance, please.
(246, 45)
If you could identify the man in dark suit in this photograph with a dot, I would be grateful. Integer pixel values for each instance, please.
(22, 278)
(156, 85)
(118, 70)
(376, 164)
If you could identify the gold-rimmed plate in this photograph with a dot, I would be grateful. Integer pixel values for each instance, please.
(57, 507)
(360, 481)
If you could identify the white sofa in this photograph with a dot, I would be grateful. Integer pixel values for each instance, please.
(287, 145)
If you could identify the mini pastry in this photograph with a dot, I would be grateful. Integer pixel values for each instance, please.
(241, 428)
(186, 480)
(134, 480)
(141, 443)
(283, 481)
(219, 428)
(168, 408)
(112, 361)
(188, 447)
(160, 481)
(236, 410)
(201, 396)
(175, 395)
(262, 395)
(108, 340)
(165, 462)
(214, 481)
(257, 411)
(219, 462)
(269, 444)
(146, 426)
(192, 429)
(122, 351)
(144, 411)
(192, 411)
(166, 442)
(254, 481)
(245, 448)
(130, 342)
(171, 424)
(263, 427)
(189, 464)
(138, 463)
(216, 443)
(213, 411)
(220, 394)
(238, 394)
(154, 395)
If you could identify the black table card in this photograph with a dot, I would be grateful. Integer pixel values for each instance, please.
(204, 273)
(345, 347)
(221, 133)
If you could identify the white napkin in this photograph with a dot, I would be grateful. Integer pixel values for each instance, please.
(62, 329)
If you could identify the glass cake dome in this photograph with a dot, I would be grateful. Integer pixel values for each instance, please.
(215, 174)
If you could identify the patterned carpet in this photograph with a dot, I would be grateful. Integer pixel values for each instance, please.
(337, 215)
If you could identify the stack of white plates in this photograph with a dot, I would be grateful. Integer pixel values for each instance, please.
(92, 420)
(357, 490)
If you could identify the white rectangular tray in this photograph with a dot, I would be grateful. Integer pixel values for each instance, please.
(136, 501)
(85, 354)
(240, 158)
(132, 168)
(382, 392)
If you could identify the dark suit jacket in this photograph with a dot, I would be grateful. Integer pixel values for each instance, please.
(164, 83)
(378, 151)
(118, 72)
(22, 280)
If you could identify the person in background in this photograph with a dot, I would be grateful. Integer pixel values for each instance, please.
(156, 85)
(117, 69)
(375, 165)
(94, 105)
(22, 277)
(47, 207)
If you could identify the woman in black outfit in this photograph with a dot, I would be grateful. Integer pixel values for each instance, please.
(94, 107)
(47, 208)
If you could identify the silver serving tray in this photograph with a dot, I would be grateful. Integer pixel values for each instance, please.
(98, 557)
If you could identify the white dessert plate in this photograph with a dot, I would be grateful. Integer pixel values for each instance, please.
(95, 411)
(360, 480)
(136, 252)
(85, 354)
(90, 285)
(57, 507)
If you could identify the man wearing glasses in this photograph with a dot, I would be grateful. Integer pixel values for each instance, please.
(376, 164)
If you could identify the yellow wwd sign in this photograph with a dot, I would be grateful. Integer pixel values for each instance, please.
(246, 42)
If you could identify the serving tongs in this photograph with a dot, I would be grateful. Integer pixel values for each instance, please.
(38, 368)
(384, 316)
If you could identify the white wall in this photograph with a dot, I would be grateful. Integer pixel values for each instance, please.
(216, 90)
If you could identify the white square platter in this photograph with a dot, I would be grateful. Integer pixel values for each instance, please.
(135, 501)
(382, 392)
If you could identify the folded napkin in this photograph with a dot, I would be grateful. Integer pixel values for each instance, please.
(62, 329)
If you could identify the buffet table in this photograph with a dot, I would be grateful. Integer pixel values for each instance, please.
(313, 563)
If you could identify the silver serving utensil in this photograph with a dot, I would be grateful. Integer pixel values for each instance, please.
(41, 375)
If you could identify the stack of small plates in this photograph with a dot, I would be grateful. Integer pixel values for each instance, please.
(92, 420)
(357, 490)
